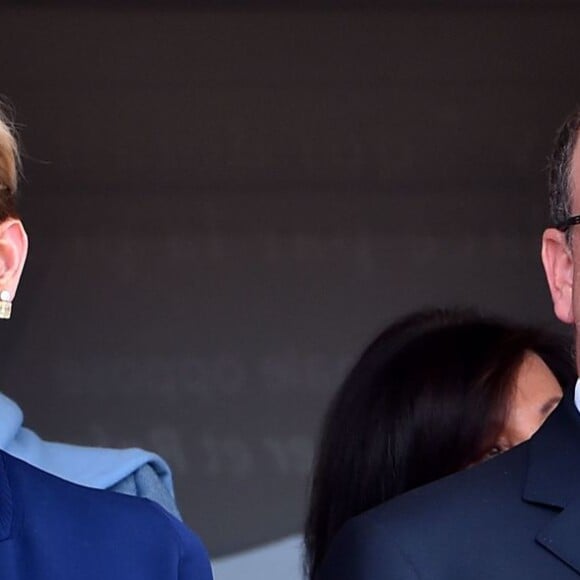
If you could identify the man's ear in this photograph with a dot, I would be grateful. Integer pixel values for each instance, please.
(13, 250)
(559, 267)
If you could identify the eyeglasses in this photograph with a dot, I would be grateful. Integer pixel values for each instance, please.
(568, 223)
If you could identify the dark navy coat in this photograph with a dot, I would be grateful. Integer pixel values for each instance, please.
(54, 530)
(516, 517)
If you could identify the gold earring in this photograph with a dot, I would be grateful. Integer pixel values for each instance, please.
(5, 305)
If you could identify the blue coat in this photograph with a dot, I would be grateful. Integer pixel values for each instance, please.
(514, 517)
(51, 529)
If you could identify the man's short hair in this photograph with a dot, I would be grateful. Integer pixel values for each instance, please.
(559, 169)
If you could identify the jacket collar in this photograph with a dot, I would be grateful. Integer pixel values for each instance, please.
(553, 476)
(6, 504)
(553, 480)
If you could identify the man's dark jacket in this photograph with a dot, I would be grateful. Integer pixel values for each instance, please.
(514, 517)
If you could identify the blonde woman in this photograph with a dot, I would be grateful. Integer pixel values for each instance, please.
(53, 529)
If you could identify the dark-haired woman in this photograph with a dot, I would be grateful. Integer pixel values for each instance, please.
(436, 392)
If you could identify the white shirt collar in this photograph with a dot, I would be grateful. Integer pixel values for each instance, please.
(577, 395)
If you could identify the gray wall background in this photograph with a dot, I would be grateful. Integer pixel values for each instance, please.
(224, 206)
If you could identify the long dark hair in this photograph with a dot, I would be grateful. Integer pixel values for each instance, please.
(427, 398)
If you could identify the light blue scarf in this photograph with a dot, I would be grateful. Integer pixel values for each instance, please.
(89, 466)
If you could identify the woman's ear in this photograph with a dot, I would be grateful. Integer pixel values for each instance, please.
(559, 267)
(13, 250)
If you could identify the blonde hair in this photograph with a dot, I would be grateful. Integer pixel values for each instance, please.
(9, 166)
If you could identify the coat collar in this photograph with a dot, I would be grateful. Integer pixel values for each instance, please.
(6, 504)
(553, 476)
(553, 480)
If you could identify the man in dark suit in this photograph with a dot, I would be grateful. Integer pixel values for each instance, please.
(514, 517)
